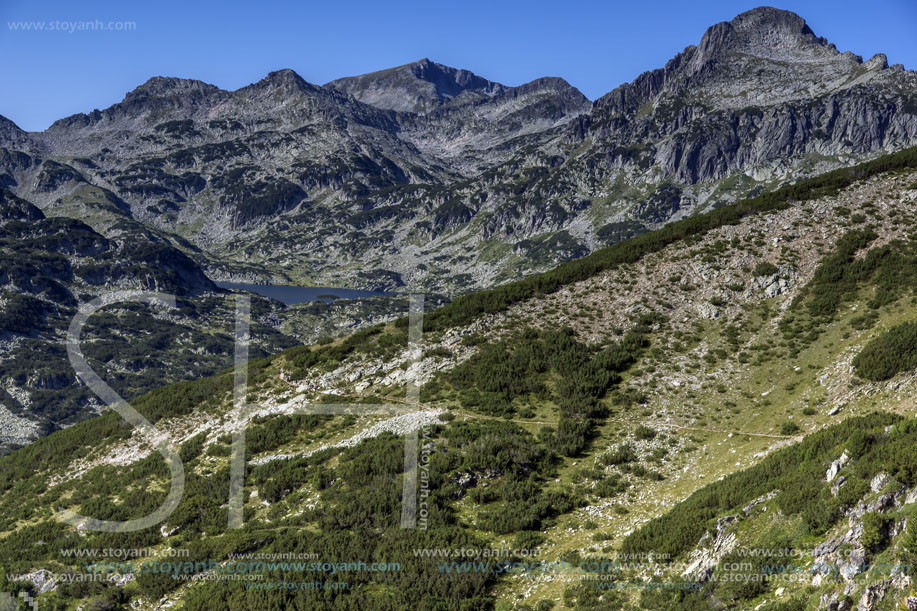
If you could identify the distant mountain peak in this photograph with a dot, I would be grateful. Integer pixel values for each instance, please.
(6, 125)
(159, 94)
(450, 82)
(284, 77)
(420, 86)
(762, 57)
(12, 136)
(769, 27)
(764, 31)
(286, 82)
(768, 16)
(169, 85)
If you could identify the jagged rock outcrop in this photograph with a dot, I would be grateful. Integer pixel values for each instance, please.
(712, 547)
(836, 466)
(12, 136)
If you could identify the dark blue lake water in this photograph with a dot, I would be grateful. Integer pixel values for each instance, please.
(298, 294)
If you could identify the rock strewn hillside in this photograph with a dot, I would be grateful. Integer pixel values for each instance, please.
(752, 327)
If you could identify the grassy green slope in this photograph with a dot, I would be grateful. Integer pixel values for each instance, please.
(570, 442)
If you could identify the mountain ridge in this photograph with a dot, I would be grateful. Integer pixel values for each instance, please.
(688, 383)
(415, 87)
(698, 361)
(306, 182)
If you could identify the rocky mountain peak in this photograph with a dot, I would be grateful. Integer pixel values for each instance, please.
(279, 86)
(762, 32)
(761, 57)
(169, 85)
(285, 78)
(450, 82)
(8, 126)
(12, 136)
(427, 150)
(158, 95)
(879, 61)
(549, 83)
(774, 22)
(420, 86)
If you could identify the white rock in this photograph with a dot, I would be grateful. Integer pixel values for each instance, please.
(836, 466)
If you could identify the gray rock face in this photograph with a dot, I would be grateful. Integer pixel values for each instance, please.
(418, 87)
(712, 547)
(12, 136)
(830, 560)
(834, 602)
(42, 580)
(836, 466)
(708, 310)
(436, 178)
(759, 501)
(874, 594)
(879, 482)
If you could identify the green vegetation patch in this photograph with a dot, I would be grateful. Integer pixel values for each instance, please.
(889, 354)
(550, 365)
(798, 473)
(885, 273)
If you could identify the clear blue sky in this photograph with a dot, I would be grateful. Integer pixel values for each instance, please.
(595, 45)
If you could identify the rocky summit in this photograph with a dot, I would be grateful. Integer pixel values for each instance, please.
(418, 87)
(439, 179)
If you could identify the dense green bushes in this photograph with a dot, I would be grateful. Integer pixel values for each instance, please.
(889, 354)
(765, 269)
(21, 313)
(884, 273)
(374, 341)
(836, 278)
(797, 471)
(358, 519)
(502, 376)
(268, 433)
(807, 507)
(620, 455)
(487, 450)
(875, 530)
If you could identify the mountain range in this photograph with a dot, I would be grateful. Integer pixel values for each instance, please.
(675, 367)
(433, 178)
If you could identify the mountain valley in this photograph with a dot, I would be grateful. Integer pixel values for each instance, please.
(652, 351)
